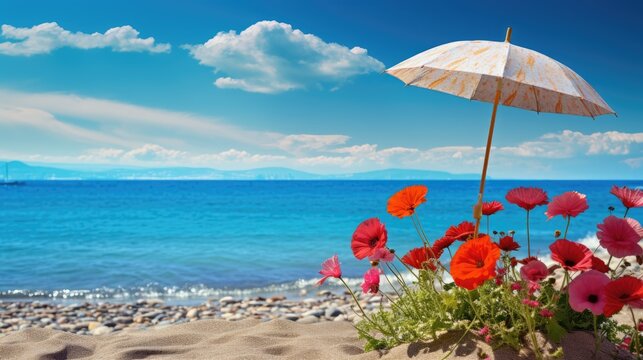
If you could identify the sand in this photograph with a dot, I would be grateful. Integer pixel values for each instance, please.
(252, 339)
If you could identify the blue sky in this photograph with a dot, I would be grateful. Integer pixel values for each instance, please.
(305, 91)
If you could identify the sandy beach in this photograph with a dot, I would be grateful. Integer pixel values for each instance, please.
(253, 339)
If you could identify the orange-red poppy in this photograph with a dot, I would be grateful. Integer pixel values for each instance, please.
(442, 243)
(422, 258)
(404, 202)
(463, 231)
(474, 262)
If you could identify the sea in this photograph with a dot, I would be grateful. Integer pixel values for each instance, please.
(188, 241)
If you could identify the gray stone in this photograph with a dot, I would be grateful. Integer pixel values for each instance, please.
(332, 312)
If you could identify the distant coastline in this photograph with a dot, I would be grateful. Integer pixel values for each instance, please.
(22, 171)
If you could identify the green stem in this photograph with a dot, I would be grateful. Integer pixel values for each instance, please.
(626, 211)
(635, 335)
(569, 219)
(356, 300)
(528, 240)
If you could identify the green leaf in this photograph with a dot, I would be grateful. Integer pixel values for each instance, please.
(555, 332)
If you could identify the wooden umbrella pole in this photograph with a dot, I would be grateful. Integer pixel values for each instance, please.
(477, 210)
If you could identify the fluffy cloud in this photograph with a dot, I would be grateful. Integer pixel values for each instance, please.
(46, 37)
(305, 142)
(157, 154)
(571, 143)
(272, 57)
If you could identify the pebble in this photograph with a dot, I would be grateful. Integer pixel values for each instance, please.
(105, 318)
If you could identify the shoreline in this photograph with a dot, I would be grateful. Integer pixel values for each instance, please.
(100, 318)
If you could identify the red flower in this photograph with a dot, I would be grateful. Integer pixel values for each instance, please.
(404, 202)
(570, 255)
(491, 207)
(461, 232)
(507, 243)
(421, 258)
(546, 313)
(626, 290)
(527, 198)
(570, 203)
(330, 268)
(369, 236)
(474, 262)
(442, 243)
(599, 265)
(631, 198)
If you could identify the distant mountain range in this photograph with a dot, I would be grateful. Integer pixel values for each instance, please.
(21, 171)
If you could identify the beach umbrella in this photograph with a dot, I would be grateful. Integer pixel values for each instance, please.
(503, 74)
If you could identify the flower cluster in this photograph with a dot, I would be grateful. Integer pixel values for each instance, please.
(507, 298)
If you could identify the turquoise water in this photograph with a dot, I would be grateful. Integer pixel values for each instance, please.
(187, 240)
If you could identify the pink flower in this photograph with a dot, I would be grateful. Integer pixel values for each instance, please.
(532, 287)
(382, 254)
(487, 339)
(587, 292)
(484, 331)
(527, 198)
(516, 287)
(371, 282)
(491, 207)
(631, 198)
(531, 303)
(546, 313)
(330, 268)
(620, 236)
(534, 271)
(570, 203)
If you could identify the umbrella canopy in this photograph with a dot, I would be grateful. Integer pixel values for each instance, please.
(530, 80)
(501, 73)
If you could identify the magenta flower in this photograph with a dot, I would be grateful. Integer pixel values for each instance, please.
(534, 271)
(527, 198)
(330, 268)
(631, 198)
(620, 236)
(382, 254)
(567, 204)
(371, 282)
(546, 313)
(586, 292)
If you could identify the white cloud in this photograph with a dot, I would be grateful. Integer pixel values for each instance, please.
(128, 124)
(36, 119)
(236, 156)
(305, 142)
(570, 143)
(46, 37)
(272, 57)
